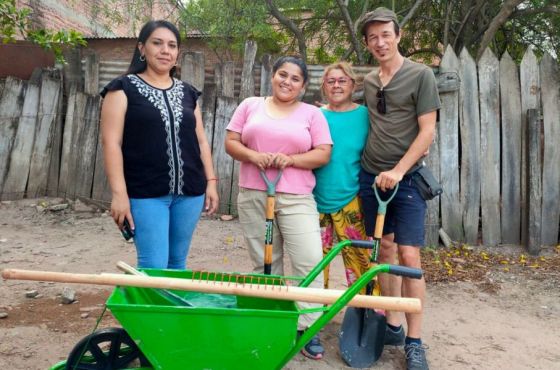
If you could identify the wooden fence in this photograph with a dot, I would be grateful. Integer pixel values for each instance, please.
(501, 180)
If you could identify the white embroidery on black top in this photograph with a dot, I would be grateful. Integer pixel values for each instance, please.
(174, 98)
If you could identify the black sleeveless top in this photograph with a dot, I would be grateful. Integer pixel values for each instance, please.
(160, 148)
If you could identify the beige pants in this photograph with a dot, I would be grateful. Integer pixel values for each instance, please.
(296, 232)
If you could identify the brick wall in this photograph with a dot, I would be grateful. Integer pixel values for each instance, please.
(88, 18)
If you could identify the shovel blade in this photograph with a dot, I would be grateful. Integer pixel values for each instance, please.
(362, 337)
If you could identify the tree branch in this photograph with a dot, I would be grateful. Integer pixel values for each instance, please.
(351, 31)
(503, 15)
(411, 13)
(288, 23)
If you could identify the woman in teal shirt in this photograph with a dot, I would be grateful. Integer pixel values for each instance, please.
(336, 191)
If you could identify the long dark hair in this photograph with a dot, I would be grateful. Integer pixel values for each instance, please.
(139, 66)
(294, 60)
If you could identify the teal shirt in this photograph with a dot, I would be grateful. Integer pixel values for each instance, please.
(337, 182)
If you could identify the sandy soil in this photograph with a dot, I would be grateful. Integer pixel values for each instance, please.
(510, 322)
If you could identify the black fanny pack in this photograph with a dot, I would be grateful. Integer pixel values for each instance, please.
(427, 184)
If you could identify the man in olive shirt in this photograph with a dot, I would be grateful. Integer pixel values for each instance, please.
(402, 101)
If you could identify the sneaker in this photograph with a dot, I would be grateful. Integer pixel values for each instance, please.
(416, 356)
(313, 349)
(394, 338)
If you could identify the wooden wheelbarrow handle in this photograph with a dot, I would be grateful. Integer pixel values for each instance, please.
(288, 293)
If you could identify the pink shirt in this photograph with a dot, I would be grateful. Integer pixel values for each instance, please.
(304, 129)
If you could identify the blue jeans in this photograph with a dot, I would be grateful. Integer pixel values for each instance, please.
(163, 229)
(405, 213)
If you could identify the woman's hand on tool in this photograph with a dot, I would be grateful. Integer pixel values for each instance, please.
(262, 160)
(282, 161)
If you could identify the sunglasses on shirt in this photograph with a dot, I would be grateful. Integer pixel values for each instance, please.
(381, 103)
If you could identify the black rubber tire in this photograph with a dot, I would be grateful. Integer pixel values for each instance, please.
(89, 354)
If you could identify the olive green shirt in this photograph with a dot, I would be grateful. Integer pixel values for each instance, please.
(411, 93)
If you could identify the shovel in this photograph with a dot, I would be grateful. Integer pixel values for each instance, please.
(362, 334)
(270, 201)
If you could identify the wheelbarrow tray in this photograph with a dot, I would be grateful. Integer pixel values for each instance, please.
(219, 332)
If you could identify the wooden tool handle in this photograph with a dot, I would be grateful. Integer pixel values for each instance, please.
(288, 293)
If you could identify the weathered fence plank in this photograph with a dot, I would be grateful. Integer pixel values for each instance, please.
(192, 69)
(432, 224)
(470, 147)
(91, 74)
(534, 184)
(228, 80)
(101, 190)
(77, 128)
(511, 151)
(44, 134)
(67, 159)
(488, 75)
(530, 91)
(11, 106)
(247, 81)
(87, 142)
(266, 75)
(20, 157)
(223, 163)
(208, 109)
(54, 168)
(550, 86)
(448, 132)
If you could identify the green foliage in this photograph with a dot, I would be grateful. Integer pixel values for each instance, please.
(227, 24)
(15, 21)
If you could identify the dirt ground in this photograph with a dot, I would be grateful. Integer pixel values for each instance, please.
(508, 318)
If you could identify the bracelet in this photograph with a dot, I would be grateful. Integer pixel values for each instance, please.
(212, 179)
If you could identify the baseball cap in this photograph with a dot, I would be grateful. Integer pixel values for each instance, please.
(380, 14)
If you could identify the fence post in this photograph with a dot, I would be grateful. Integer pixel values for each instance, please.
(228, 80)
(11, 106)
(266, 74)
(44, 136)
(247, 81)
(530, 86)
(488, 77)
(534, 185)
(511, 151)
(91, 74)
(192, 69)
(20, 159)
(550, 96)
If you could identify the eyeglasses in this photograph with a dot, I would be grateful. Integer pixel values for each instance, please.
(381, 103)
(341, 81)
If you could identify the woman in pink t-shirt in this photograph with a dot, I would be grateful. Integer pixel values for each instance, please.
(280, 132)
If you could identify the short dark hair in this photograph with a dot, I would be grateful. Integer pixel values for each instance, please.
(138, 66)
(294, 60)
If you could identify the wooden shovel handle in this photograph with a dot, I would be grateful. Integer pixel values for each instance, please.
(288, 293)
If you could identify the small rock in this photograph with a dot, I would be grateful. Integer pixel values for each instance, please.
(226, 217)
(68, 296)
(3, 240)
(31, 294)
(3, 315)
(84, 315)
(81, 207)
(58, 207)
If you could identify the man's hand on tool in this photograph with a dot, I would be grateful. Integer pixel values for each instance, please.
(388, 179)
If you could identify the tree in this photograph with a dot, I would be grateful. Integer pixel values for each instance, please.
(15, 21)
(322, 31)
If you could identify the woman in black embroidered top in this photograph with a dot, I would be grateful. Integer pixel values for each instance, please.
(157, 158)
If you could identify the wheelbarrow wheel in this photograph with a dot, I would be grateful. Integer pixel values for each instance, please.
(106, 349)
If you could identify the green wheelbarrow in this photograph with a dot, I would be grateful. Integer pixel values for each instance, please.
(211, 331)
